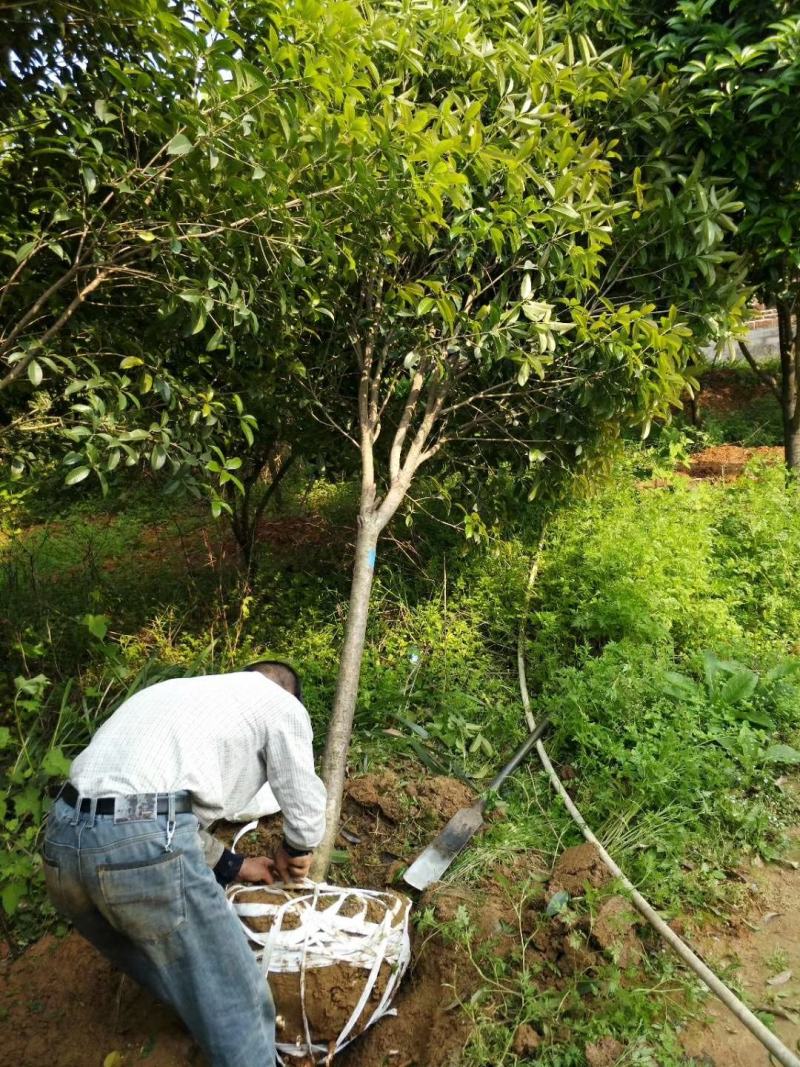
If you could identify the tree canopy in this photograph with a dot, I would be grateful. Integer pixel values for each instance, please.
(453, 236)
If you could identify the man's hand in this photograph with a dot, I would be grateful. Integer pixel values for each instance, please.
(257, 869)
(292, 868)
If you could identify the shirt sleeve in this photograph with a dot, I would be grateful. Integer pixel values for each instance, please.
(212, 848)
(290, 772)
(224, 863)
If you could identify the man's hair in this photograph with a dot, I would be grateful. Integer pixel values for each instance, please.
(282, 673)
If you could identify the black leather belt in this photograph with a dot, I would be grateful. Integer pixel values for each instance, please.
(108, 805)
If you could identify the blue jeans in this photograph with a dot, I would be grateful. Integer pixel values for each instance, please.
(162, 918)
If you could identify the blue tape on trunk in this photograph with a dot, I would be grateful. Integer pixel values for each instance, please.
(371, 557)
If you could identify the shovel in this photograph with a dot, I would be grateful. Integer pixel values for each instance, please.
(433, 861)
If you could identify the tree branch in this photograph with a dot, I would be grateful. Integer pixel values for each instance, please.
(37, 306)
(767, 379)
(21, 366)
(409, 409)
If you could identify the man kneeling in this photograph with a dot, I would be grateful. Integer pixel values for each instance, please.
(127, 862)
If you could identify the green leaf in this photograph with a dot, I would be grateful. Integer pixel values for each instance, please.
(758, 718)
(55, 764)
(679, 686)
(711, 668)
(103, 111)
(97, 625)
(24, 250)
(557, 903)
(740, 686)
(782, 754)
(130, 361)
(89, 179)
(179, 145)
(12, 895)
(77, 475)
(35, 372)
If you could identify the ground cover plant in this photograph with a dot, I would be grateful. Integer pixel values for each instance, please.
(660, 640)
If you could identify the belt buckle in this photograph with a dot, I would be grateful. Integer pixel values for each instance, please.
(136, 807)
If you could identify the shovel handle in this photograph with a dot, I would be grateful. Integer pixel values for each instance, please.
(519, 755)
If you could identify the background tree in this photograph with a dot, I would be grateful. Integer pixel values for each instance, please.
(170, 213)
(730, 74)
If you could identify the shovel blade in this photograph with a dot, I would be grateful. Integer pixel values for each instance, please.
(434, 860)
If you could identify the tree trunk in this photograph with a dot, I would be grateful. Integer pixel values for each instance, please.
(791, 450)
(790, 408)
(334, 763)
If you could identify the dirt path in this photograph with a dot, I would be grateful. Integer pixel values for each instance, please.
(760, 954)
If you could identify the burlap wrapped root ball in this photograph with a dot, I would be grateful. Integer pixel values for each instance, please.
(334, 957)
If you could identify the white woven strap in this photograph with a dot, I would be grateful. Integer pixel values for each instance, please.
(324, 938)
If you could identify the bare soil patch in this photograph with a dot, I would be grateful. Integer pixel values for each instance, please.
(757, 946)
(727, 462)
(63, 1004)
(724, 390)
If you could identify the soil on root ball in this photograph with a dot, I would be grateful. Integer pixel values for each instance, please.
(322, 1000)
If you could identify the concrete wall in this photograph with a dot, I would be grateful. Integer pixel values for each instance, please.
(762, 340)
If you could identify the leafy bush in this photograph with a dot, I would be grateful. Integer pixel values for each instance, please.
(637, 585)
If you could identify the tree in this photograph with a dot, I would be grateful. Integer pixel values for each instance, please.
(732, 71)
(169, 213)
(503, 308)
(454, 228)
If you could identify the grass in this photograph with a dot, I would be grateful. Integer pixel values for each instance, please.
(637, 588)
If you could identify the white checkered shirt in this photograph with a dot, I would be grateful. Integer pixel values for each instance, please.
(219, 736)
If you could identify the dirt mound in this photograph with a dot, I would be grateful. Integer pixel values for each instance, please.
(576, 869)
(604, 1053)
(614, 930)
(435, 798)
(727, 462)
(64, 1004)
(386, 818)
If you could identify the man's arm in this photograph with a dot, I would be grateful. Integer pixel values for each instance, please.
(212, 848)
(290, 772)
(228, 866)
